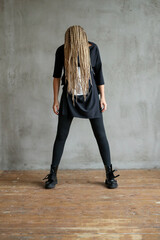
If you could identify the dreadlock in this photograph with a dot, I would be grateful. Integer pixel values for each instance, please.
(76, 44)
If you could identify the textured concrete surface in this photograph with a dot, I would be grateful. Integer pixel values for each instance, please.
(127, 33)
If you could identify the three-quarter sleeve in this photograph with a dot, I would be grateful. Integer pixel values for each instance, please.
(98, 69)
(57, 72)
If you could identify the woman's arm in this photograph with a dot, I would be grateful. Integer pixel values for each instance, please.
(58, 65)
(101, 90)
(102, 98)
(56, 86)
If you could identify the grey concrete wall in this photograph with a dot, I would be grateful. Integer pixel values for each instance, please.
(128, 36)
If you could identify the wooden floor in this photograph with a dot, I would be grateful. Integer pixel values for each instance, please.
(80, 206)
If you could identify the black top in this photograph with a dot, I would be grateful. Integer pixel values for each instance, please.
(82, 109)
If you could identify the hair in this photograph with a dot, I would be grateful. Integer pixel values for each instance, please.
(76, 44)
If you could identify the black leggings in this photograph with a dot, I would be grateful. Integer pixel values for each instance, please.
(64, 123)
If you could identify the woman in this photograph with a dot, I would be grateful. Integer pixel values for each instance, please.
(83, 82)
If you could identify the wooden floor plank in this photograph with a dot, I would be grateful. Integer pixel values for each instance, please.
(80, 207)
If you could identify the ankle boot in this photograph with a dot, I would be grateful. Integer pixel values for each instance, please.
(52, 178)
(110, 181)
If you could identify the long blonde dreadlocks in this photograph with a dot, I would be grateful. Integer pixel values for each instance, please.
(76, 44)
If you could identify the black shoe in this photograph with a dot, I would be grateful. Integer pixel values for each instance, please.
(110, 182)
(52, 178)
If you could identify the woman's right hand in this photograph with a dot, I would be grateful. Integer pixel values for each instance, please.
(56, 107)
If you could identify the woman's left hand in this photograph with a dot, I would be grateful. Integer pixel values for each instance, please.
(103, 104)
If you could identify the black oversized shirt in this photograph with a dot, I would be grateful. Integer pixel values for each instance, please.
(83, 109)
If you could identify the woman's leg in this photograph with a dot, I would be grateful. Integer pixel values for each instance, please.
(101, 138)
(63, 127)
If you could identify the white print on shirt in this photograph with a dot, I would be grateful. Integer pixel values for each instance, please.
(79, 90)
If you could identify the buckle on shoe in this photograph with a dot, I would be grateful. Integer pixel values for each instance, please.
(110, 174)
(116, 175)
(46, 177)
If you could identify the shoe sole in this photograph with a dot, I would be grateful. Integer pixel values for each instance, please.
(47, 187)
(111, 186)
(50, 187)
